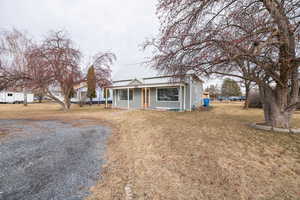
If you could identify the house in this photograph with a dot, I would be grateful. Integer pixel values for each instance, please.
(81, 92)
(15, 97)
(160, 92)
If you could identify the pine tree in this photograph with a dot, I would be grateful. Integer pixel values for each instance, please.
(91, 84)
(230, 88)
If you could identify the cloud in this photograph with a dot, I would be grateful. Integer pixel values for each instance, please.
(95, 25)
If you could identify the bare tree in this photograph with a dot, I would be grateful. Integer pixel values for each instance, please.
(214, 91)
(217, 36)
(14, 45)
(102, 62)
(48, 67)
(53, 64)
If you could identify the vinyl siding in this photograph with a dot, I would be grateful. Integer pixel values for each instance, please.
(196, 88)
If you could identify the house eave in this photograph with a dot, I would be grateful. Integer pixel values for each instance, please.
(149, 85)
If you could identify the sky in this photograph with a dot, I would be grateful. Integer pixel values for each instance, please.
(119, 26)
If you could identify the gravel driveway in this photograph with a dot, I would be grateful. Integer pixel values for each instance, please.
(43, 160)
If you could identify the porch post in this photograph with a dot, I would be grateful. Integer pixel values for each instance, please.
(191, 95)
(184, 97)
(145, 98)
(180, 97)
(116, 97)
(113, 99)
(142, 98)
(128, 102)
(149, 97)
(106, 98)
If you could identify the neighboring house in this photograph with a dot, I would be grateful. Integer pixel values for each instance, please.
(56, 92)
(81, 92)
(160, 92)
(15, 97)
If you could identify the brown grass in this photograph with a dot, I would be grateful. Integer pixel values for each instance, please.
(192, 155)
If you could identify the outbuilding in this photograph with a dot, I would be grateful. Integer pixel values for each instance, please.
(15, 97)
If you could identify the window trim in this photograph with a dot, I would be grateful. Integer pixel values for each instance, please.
(167, 88)
(119, 96)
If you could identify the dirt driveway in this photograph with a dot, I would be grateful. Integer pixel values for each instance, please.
(49, 159)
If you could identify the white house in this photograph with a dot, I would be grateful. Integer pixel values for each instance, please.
(81, 92)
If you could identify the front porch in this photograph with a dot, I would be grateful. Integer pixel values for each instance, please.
(161, 97)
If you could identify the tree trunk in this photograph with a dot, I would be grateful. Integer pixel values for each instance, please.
(63, 104)
(280, 119)
(25, 97)
(275, 111)
(67, 102)
(247, 91)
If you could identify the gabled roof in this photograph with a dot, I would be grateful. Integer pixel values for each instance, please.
(80, 85)
(156, 80)
(135, 82)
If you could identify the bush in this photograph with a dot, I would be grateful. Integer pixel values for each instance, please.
(254, 100)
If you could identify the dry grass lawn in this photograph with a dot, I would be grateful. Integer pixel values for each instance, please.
(191, 155)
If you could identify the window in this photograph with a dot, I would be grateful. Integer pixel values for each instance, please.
(9, 94)
(167, 94)
(123, 95)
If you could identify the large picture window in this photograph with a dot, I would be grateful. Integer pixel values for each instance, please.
(167, 94)
(123, 94)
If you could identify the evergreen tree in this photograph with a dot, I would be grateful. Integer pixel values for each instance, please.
(230, 88)
(91, 84)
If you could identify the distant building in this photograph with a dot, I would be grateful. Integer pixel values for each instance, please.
(15, 97)
(81, 92)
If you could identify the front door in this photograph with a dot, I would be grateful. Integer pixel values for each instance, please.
(145, 97)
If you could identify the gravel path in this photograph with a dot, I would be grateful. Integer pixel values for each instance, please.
(43, 160)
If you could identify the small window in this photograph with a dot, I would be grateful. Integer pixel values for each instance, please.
(167, 94)
(9, 94)
(123, 95)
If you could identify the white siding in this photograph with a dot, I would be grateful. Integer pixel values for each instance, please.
(11, 97)
(81, 95)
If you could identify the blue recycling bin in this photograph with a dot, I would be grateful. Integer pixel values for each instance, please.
(206, 102)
